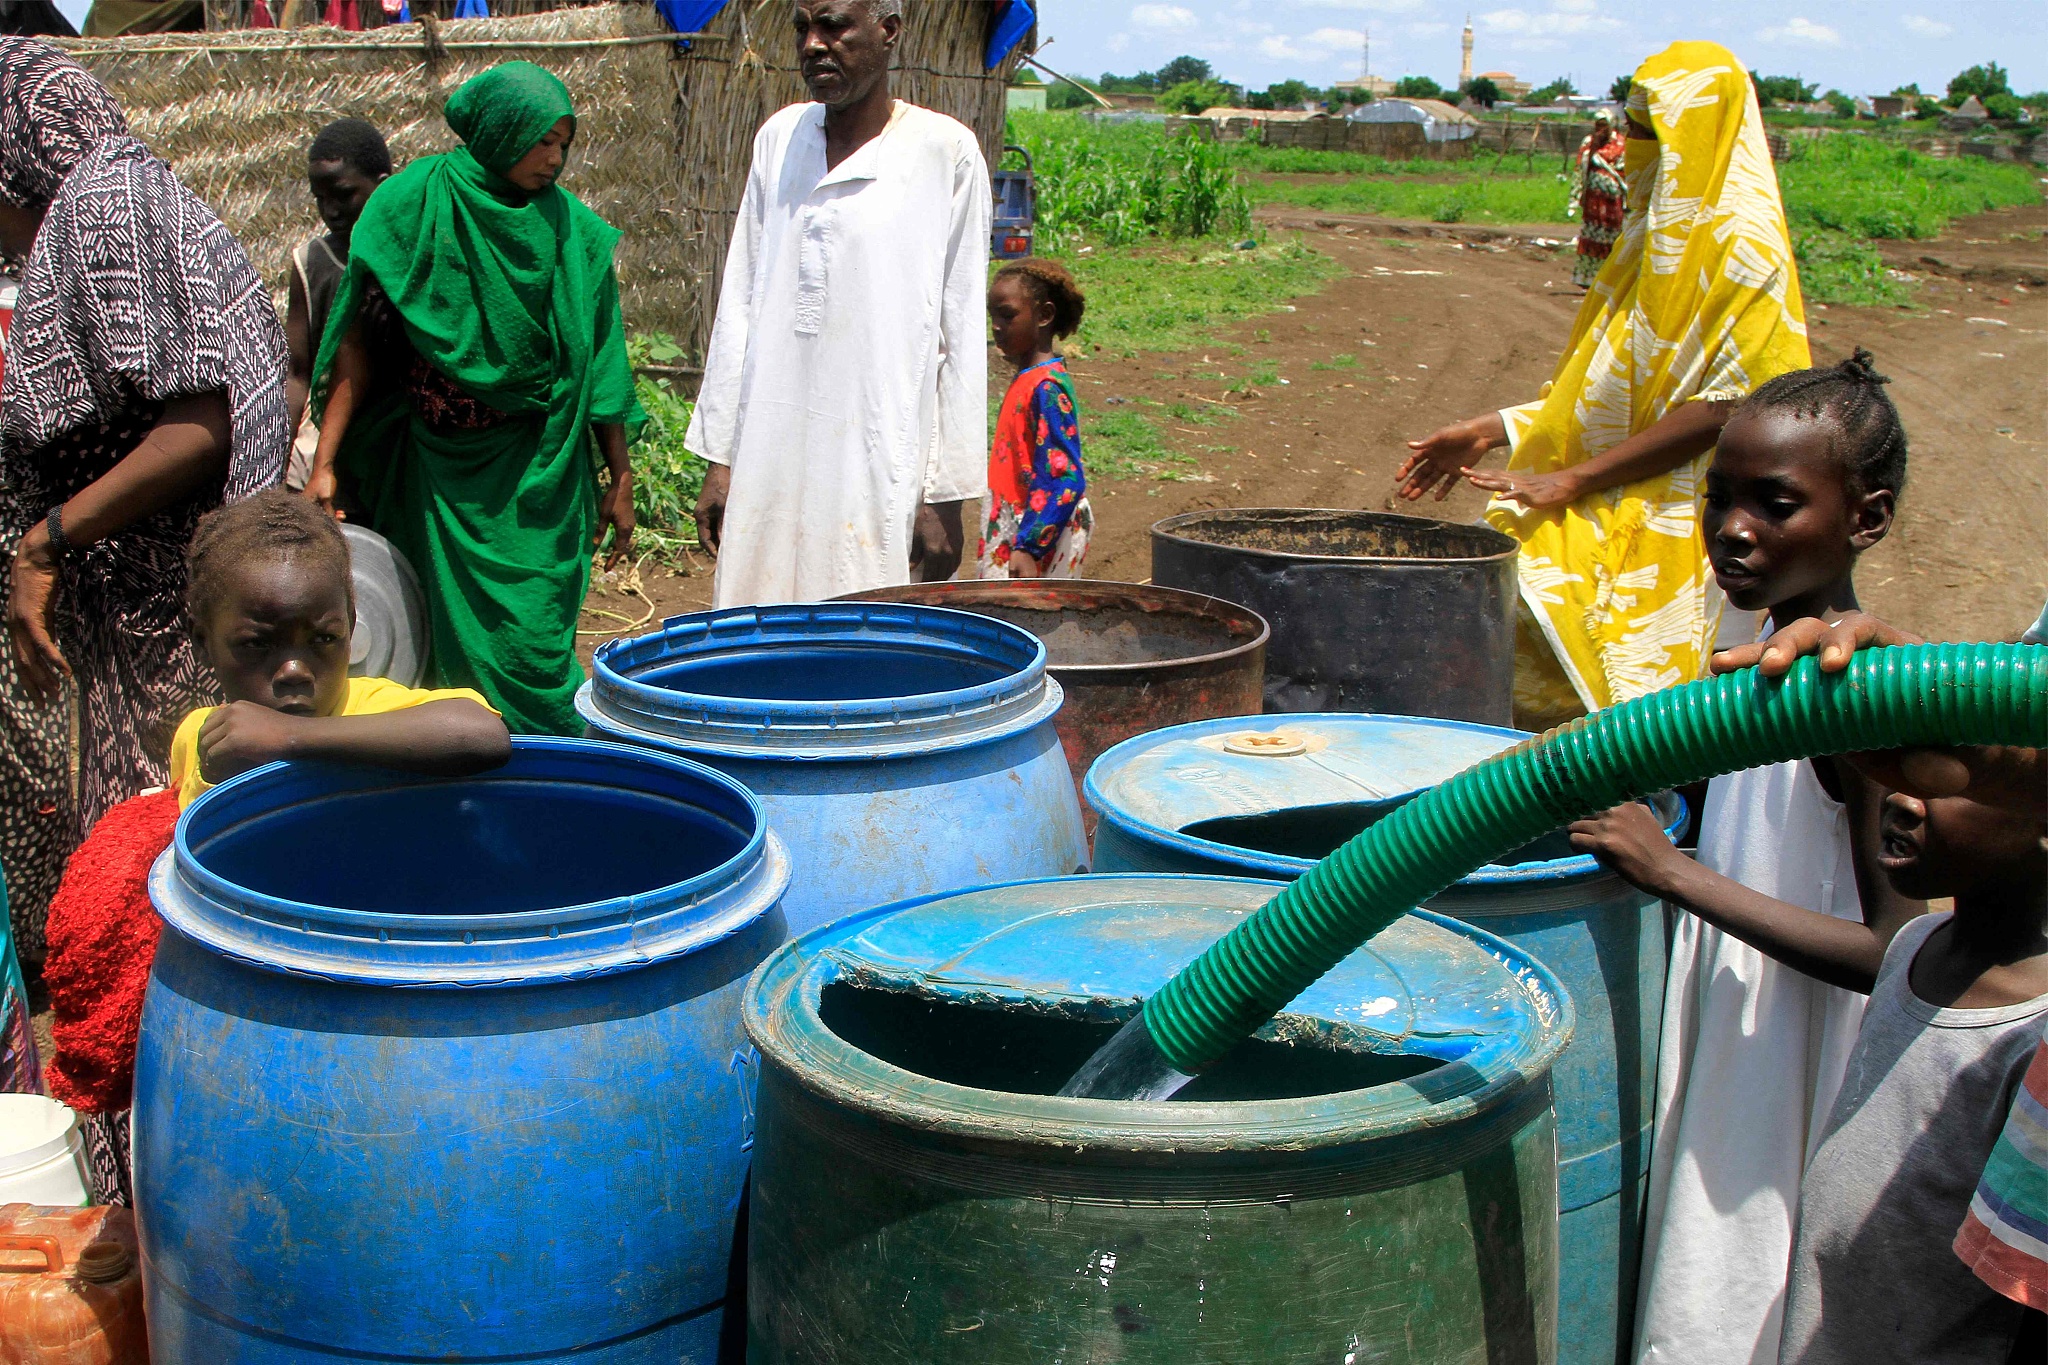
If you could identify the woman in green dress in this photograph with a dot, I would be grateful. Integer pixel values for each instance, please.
(484, 294)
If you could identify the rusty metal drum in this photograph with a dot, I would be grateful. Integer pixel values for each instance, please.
(1132, 657)
(1371, 611)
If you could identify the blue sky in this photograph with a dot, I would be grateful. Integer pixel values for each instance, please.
(1861, 48)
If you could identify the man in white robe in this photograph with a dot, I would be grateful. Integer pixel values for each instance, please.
(844, 409)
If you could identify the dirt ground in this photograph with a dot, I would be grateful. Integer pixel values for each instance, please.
(1443, 323)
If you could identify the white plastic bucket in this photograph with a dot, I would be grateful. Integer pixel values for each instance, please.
(42, 1155)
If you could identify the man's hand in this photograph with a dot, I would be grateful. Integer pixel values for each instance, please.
(242, 735)
(1630, 843)
(711, 507)
(935, 541)
(321, 486)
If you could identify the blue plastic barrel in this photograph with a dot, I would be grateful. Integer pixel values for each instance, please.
(896, 749)
(1268, 797)
(452, 1070)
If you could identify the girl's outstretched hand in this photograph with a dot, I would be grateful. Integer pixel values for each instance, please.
(1443, 457)
(1535, 491)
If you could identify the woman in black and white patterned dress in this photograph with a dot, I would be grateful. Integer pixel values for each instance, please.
(144, 385)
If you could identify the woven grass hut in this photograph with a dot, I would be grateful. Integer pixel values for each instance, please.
(662, 150)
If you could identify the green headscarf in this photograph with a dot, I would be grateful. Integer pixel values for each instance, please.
(473, 264)
(512, 296)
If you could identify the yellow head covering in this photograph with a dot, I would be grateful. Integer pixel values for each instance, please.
(1699, 299)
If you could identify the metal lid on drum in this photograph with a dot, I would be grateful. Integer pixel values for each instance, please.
(391, 638)
(1465, 1021)
(823, 680)
(1270, 795)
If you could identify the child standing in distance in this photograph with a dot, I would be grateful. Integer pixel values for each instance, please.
(347, 161)
(1036, 521)
(272, 607)
(1805, 478)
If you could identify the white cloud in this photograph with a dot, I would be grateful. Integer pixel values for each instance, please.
(1922, 26)
(1558, 23)
(1576, 6)
(1374, 6)
(1165, 18)
(1425, 30)
(1118, 42)
(1308, 47)
(1802, 33)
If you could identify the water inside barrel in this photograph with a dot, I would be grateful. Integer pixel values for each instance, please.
(1025, 1048)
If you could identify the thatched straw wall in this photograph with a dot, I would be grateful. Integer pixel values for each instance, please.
(662, 147)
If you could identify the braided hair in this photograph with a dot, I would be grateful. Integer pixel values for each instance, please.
(1049, 282)
(1850, 397)
(276, 523)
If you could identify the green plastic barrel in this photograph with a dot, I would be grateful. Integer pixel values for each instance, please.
(1371, 1178)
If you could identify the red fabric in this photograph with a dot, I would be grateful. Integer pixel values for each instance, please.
(259, 15)
(343, 14)
(1012, 450)
(103, 933)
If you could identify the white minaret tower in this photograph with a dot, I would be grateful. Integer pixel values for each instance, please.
(1465, 67)
(1365, 62)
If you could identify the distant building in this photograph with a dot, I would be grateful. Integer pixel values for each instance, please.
(1144, 102)
(1889, 106)
(1511, 86)
(1367, 86)
(1465, 60)
(1026, 92)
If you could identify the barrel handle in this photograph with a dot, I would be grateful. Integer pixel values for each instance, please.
(53, 1255)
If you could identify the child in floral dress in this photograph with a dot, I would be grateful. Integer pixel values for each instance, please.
(1035, 521)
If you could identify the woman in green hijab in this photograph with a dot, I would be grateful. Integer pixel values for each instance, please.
(474, 455)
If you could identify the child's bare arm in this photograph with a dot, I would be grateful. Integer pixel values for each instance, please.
(452, 737)
(1841, 952)
(298, 327)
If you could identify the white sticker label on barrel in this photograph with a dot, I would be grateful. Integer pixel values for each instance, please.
(1266, 744)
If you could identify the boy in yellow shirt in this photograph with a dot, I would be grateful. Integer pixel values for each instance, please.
(272, 607)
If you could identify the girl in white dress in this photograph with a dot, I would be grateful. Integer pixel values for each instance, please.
(1806, 478)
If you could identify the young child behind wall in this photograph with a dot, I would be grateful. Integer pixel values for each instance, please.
(1036, 522)
(1805, 478)
(344, 165)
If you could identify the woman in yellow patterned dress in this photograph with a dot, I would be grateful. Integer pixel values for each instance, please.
(1697, 305)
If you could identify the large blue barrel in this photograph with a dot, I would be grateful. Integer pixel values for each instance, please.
(1269, 798)
(452, 1070)
(896, 749)
(1372, 1178)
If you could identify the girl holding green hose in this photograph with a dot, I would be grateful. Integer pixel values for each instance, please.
(511, 367)
(1805, 479)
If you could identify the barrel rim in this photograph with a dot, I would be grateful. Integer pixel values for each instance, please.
(966, 587)
(1253, 863)
(1169, 528)
(614, 703)
(596, 938)
(797, 1041)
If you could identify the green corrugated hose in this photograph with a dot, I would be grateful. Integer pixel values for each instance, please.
(1887, 698)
